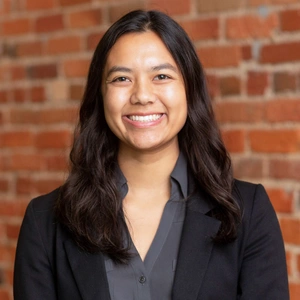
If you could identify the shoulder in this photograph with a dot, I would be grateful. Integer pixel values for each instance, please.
(44, 202)
(258, 213)
(41, 225)
(247, 189)
(40, 212)
(247, 192)
(253, 201)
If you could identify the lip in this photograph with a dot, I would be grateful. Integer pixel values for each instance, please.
(144, 124)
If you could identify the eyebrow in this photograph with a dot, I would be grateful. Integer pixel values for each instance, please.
(164, 66)
(128, 70)
(118, 69)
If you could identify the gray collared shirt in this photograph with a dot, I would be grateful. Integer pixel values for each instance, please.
(152, 278)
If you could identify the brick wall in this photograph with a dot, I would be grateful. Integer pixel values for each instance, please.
(251, 52)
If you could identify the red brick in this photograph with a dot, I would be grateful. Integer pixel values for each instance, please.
(285, 169)
(66, 44)
(280, 53)
(16, 26)
(115, 12)
(283, 110)
(257, 83)
(263, 2)
(3, 160)
(16, 139)
(32, 48)
(4, 294)
(233, 112)
(213, 84)
(30, 186)
(284, 81)
(251, 26)
(76, 91)
(37, 94)
(275, 141)
(39, 5)
(12, 208)
(288, 256)
(171, 7)
(24, 185)
(4, 185)
(9, 274)
(290, 228)
(246, 52)
(56, 116)
(2, 234)
(298, 263)
(87, 18)
(27, 162)
(202, 29)
(18, 72)
(248, 168)
(3, 96)
(23, 116)
(1, 117)
(204, 6)
(42, 71)
(294, 291)
(49, 23)
(7, 253)
(4, 72)
(234, 140)
(57, 163)
(76, 68)
(12, 231)
(93, 40)
(220, 56)
(73, 2)
(290, 20)
(5, 8)
(60, 139)
(9, 50)
(281, 200)
(19, 95)
(230, 85)
(46, 185)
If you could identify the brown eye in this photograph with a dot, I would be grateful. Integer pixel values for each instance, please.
(161, 77)
(120, 79)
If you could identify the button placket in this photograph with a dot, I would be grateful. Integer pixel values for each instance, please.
(142, 279)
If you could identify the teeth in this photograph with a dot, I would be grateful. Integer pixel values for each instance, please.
(145, 118)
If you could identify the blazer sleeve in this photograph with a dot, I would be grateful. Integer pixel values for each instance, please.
(263, 272)
(33, 273)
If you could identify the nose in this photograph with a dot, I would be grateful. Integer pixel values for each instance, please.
(142, 93)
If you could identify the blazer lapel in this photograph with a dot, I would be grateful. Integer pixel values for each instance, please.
(89, 273)
(195, 248)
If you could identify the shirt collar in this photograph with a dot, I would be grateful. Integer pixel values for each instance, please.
(179, 173)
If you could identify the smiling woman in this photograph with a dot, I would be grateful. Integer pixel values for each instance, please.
(150, 209)
(143, 94)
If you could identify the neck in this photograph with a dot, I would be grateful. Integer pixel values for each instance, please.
(143, 170)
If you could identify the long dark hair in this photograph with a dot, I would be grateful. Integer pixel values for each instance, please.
(89, 204)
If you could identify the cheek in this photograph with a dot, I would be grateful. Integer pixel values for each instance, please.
(110, 109)
(114, 102)
(177, 99)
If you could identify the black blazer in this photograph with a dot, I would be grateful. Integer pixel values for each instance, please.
(50, 266)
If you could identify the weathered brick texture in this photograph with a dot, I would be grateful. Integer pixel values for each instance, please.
(251, 54)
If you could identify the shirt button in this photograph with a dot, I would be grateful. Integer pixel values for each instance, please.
(142, 279)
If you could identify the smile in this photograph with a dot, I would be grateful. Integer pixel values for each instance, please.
(147, 118)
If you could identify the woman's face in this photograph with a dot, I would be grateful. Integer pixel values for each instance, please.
(144, 95)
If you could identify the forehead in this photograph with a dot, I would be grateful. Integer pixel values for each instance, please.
(139, 47)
